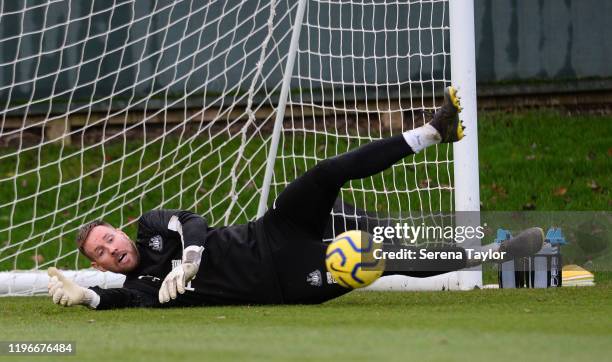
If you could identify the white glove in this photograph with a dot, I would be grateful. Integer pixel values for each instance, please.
(67, 293)
(176, 281)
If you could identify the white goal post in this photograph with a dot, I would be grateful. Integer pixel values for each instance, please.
(112, 109)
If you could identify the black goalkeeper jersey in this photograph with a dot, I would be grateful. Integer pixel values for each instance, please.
(236, 266)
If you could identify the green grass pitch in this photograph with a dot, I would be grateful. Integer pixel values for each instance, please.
(480, 325)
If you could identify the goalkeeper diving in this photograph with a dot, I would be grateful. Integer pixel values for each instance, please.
(177, 259)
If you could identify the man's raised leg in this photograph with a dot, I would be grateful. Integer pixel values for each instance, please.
(306, 202)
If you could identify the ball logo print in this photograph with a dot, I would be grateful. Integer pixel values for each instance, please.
(350, 259)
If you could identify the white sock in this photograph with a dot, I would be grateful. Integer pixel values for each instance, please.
(422, 137)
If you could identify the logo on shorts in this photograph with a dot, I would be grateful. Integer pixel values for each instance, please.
(314, 278)
(330, 279)
(156, 243)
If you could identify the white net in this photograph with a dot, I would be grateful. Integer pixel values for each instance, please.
(368, 70)
(112, 109)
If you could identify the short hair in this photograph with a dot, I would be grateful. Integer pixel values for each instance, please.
(84, 232)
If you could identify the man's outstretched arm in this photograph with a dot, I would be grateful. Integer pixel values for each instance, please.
(192, 229)
(67, 293)
(115, 298)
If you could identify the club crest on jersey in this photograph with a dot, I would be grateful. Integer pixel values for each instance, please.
(314, 278)
(156, 243)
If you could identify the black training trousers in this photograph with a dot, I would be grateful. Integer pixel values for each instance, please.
(300, 219)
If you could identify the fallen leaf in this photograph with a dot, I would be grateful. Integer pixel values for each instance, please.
(38, 258)
(560, 191)
(593, 185)
(610, 152)
(24, 183)
(498, 189)
(530, 157)
(529, 206)
(425, 183)
(590, 156)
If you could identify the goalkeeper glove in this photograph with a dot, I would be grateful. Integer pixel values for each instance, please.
(67, 293)
(180, 276)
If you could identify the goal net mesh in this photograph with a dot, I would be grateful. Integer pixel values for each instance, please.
(110, 109)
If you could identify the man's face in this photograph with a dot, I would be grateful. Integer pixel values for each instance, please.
(111, 250)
